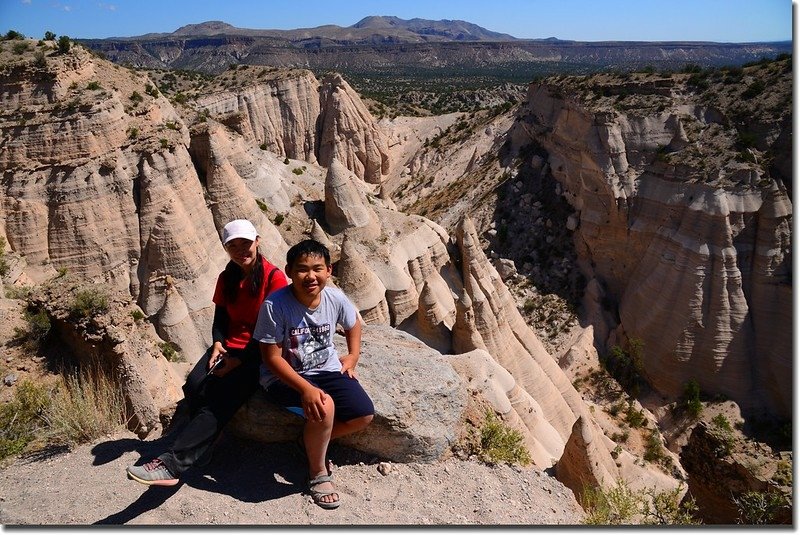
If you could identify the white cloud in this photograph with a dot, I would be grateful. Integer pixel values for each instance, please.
(110, 7)
(67, 8)
(26, 1)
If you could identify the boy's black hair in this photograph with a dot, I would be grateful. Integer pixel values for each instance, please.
(310, 248)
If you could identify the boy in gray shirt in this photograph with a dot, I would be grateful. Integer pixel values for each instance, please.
(301, 365)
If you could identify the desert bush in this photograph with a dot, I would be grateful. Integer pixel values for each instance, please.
(297, 171)
(691, 399)
(133, 132)
(39, 59)
(137, 314)
(170, 351)
(721, 429)
(627, 365)
(93, 85)
(13, 35)
(262, 205)
(286, 161)
(136, 97)
(278, 219)
(619, 505)
(500, 443)
(86, 404)
(20, 48)
(89, 303)
(758, 508)
(49, 36)
(64, 44)
(4, 265)
(21, 418)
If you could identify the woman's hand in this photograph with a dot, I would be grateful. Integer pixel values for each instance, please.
(349, 362)
(217, 351)
(315, 403)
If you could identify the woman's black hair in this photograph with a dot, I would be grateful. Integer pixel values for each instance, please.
(310, 248)
(233, 275)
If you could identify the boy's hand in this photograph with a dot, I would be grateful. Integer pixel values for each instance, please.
(349, 362)
(314, 401)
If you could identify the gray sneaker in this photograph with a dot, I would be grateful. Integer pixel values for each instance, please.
(153, 473)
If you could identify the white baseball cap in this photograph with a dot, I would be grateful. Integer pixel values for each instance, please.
(239, 228)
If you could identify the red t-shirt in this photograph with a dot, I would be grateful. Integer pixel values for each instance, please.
(243, 312)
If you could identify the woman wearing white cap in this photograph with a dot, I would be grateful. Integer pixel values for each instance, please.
(214, 394)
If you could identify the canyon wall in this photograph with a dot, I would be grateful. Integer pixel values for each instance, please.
(696, 261)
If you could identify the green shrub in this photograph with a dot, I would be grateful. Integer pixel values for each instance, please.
(151, 90)
(286, 161)
(93, 86)
(500, 443)
(137, 314)
(4, 265)
(758, 508)
(619, 505)
(297, 170)
(278, 219)
(635, 418)
(89, 303)
(170, 352)
(20, 48)
(39, 59)
(262, 205)
(133, 132)
(64, 44)
(49, 36)
(21, 418)
(263, 146)
(37, 328)
(721, 429)
(136, 97)
(164, 143)
(13, 35)
(691, 399)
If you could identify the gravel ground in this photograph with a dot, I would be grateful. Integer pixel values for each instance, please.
(249, 483)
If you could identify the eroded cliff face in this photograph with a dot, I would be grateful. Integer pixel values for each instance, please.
(291, 113)
(693, 248)
(98, 181)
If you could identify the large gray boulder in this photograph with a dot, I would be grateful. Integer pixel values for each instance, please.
(419, 401)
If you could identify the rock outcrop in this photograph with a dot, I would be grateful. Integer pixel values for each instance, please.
(290, 113)
(348, 133)
(123, 349)
(419, 402)
(699, 265)
(101, 185)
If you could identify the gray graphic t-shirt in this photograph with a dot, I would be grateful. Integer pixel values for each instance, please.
(306, 335)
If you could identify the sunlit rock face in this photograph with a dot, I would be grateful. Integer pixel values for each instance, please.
(699, 267)
(290, 113)
(106, 190)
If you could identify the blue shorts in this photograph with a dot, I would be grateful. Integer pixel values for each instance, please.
(348, 396)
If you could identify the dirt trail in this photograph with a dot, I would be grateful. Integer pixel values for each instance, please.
(249, 483)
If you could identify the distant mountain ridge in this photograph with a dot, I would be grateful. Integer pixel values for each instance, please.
(414, 30)
(386, 44)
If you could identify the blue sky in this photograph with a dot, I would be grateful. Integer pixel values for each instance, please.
(582, 20)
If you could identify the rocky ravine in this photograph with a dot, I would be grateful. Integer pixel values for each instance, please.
(179, 174)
